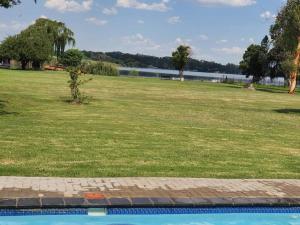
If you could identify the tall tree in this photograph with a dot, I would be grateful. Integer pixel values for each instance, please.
(37, 43)
(9, 49)
(63, 37)
(60, 34)
(276, 57)
(286, 36)
(255, 61)
(180, 58)
(33, 46)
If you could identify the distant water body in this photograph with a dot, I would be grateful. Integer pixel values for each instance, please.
(149, 72)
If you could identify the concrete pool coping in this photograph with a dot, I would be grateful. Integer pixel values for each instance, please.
(45, 192)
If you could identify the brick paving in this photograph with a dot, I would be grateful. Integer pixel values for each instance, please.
(38, 187)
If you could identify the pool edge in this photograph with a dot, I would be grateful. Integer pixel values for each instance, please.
(151, 202)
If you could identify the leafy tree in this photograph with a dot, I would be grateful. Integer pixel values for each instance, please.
(265, 43)
(37, 43)
(34, 46)
(9, 3)
(255, 61)
(30, 45)
(60, 35)
(63, 36)
(134, 73)
(8, 48)
(72, 60)
(180, 58)
(276, 56)
(285, 34)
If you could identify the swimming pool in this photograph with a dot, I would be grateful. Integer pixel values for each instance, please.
(229, 216)
(194, 219)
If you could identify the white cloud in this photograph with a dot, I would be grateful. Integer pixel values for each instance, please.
(223, 41)
(96, 21)
(174, 20)
(141, 21)
(140, 43)
(110, 12)
(233, 3)
(203, 37)
(182, 41)
(137, 4)
(13, 26)
(267, 15)
(69, 5)
(229, 51)
(251, 40)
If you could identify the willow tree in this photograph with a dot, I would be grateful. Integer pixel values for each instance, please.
(180, 58)
(61, 35)
(286, 35)
(37, 43)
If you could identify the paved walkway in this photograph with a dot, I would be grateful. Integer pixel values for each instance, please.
(21, 187)
(38, 192)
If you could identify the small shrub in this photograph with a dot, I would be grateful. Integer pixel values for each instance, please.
(75, 82)
(134, 73)
(72, 60)
(100, 68)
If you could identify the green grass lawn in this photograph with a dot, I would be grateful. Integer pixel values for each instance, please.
(146, 127)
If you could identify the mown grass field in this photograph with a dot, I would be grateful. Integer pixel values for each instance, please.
(146, 127)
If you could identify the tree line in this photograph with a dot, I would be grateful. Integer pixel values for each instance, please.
(279, 55)
(37, 43)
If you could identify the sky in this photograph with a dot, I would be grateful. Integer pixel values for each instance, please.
(217, 30)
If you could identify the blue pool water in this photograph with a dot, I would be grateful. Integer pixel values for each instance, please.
(163, 219)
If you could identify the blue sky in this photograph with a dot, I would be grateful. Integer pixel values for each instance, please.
(218, 30)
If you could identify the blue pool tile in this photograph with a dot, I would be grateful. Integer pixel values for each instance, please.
(151, 211)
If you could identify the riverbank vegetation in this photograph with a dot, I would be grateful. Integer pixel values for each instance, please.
(147, 61)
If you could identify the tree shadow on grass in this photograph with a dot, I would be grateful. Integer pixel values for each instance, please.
(272, 90)
(237, 86)
(71, 102)
(288, 111)
(3, 112)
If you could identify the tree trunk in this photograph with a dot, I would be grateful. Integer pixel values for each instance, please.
(181, 75)
(294, 74)
(23, 64)
(250, 86)
(36, 65)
